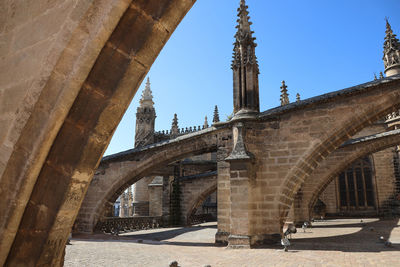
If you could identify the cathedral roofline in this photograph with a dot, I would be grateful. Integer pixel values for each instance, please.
(270, 113)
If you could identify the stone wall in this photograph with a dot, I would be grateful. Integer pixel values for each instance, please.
(141, 196)
(194, 192)
(156, 197)
(329, 197)
(223, 197)
(384, 173)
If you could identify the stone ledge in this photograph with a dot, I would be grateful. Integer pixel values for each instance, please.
(198, 176)
(370, 137)
(238, 242)
(126, 154)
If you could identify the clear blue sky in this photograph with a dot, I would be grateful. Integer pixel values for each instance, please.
(316, 46)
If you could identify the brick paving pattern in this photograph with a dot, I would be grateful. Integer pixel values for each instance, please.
(341, 242)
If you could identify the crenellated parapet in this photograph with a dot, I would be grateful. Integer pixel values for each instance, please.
(175, 131)
(168, 134)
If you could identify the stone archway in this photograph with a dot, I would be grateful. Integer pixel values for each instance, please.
(69, 143)
(195, 193)
(351, 123)
(335, 163)
(118, 172)
(285, 145)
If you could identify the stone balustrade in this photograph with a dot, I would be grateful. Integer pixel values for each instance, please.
(393, 115)
(116, 225)
(201, 218)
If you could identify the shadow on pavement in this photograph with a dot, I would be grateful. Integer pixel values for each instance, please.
(153, 238)
(365, 240)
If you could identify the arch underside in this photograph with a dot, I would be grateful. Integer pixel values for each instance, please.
(116, 175)
(87, 127)
(366, 115)
(193, 201)
(337, 162)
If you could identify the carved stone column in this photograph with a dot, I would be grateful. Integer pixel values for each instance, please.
(240, 182)
(223, 196)
(156, 197)
(166, 196)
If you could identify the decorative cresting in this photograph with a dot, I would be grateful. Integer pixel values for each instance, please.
(145, 118)
(284, 94)
(245, 67)
(391, 52)
(205, 125)
(175, 126)
(216, 115)
(298, 97)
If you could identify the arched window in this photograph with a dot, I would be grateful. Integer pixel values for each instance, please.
(355, 186)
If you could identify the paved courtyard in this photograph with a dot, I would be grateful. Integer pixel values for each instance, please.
(342, 242)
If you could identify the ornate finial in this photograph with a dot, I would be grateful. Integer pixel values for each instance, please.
(216, 115)
(375, 78)
(297, 97)
(243, 51)
(244, 19)
(205, 125)
(391, 52)
(245, 66)
(381, 75)
(174, 127)
(284, 94)
(147, 97)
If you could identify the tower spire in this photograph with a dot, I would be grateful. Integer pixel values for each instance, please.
(391, 52)
(205, 125)
(245, 66)
(284, 94)
(174, 127)
(145, 118)
(297, 97)
(216, 114)
(147, 96)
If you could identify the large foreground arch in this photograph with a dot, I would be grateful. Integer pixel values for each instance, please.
(53, 157)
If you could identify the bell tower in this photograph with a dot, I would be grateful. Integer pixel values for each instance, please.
(145, 118)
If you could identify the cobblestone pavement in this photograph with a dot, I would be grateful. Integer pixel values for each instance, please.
(344, 242)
